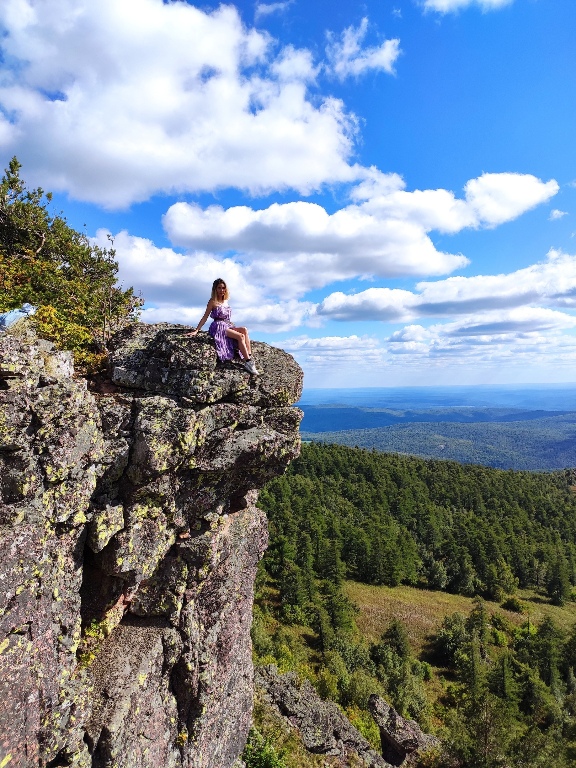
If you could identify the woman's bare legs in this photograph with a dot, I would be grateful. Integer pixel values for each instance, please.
(244, 332)
(235, 333)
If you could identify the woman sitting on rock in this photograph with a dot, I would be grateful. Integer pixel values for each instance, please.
(227, 336)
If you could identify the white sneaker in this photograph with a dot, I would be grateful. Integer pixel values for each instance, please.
(250, 367)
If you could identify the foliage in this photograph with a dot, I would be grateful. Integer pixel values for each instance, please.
(390, 519)
(46, 263)
(513, 604)
(491, 684)
(260, 753)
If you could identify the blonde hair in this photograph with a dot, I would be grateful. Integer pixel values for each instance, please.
(215, 285)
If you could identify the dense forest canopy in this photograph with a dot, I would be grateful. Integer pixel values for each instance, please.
(390, 519)
(498, 687)
(46, 263)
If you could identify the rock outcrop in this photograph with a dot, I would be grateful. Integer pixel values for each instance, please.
(323, 727)
(325, 730)
(129, 541)
(402, 740)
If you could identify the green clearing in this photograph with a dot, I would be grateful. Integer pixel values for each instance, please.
(423, 610)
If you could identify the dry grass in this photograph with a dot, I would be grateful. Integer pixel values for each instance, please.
(422, 610)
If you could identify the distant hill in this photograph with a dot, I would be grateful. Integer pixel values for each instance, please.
(501, 438)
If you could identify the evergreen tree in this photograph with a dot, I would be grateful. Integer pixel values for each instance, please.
(502, 681)
(46, 263)
(478, 624)
(396, 637)
(558, 583)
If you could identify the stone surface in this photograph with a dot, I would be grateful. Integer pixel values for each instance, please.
(402, 740)
(162, 359)
(323, 727)
(129, 540)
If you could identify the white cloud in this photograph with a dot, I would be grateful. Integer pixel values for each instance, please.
(295, 247)
(447, 6)
(527, 336)
(266, 9)
(520, 340)
(177, 286)
(305, 247)
(347, 57)
(515, 322)
(387, 304)
(499, 197)
(551, 283)
(335, 351)
(555, 214)
(294, 65)
(115, 101)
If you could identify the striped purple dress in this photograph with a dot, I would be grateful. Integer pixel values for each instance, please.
(225, 347)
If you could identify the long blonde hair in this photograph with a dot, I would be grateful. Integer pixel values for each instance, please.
(215, 285)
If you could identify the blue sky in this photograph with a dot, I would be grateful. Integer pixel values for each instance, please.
(389, 188)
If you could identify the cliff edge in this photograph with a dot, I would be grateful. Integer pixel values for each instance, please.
(129, 540)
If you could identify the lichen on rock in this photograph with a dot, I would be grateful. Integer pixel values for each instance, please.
(130, 538)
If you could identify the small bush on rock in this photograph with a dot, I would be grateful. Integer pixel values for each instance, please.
(259, 752)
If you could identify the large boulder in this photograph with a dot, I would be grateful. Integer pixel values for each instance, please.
(402, 740)
(322, 726)
(129, 540)
(161, 358)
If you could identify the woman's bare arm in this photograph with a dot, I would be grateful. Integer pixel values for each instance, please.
(209, 308)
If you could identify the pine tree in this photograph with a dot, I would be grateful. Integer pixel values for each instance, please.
(396, 637)
(558, 583)
(46, 263)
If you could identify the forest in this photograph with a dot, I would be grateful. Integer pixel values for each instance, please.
(522, 440)
(495, 683)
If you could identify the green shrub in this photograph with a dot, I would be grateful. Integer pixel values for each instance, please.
(259, 752)
(513, 604)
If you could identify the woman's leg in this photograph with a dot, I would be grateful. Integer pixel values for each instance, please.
(244, 332)
(234, 333)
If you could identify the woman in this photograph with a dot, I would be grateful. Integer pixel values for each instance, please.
(225, 335)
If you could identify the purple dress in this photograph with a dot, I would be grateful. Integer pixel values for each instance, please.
(225, 347)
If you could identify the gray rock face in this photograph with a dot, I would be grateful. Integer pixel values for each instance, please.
(322, 726)
(402, 740)
(129, 540)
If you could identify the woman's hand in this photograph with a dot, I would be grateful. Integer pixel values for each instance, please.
(192, 333)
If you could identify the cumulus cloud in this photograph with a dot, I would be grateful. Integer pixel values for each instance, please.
(387, 304)
(177, 286)
(551, 283)
(333, 351)
(383, 233)
(294, 65)
(519, 337)
(489, 200)
(114, 102)
(520, 321)
(555, 214)
(499, 197)
(305, 247)
(347, 57)
(447, 6)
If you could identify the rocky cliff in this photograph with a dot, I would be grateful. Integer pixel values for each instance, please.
(129, 541)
